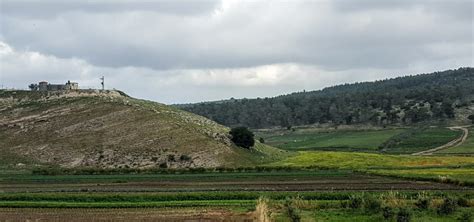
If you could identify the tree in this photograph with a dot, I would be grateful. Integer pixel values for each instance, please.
(242, 136)
(471, 117)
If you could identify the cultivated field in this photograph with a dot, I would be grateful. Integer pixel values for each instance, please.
(396, 140)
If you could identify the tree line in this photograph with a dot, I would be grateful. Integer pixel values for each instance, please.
(402, 100)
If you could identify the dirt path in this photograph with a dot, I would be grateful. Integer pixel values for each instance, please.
(453, 143)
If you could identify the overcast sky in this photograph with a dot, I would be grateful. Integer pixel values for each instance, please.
(189, 51)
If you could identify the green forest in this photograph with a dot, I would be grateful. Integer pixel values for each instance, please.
(404, 100)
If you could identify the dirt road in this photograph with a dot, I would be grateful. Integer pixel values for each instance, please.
(453, 143)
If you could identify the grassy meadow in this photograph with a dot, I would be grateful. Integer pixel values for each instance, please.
(394, 140)
(466, 148)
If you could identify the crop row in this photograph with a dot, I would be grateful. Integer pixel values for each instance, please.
(197, 196)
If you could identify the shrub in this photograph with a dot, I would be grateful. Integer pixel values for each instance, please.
(447, 207)
(184, 157)
(163, 165)
(261, 140)
(465, 217)
(242, 136)
(423, 203)
(355, 202)
(171, 158)
(471, 117)
(463, 202)
(292, 212)
(403, 215)
(387, 213)
(372, 204)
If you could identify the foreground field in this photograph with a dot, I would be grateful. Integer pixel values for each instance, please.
(268, 206)
(291, 180)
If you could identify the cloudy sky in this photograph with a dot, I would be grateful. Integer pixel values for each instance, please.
(189, 51)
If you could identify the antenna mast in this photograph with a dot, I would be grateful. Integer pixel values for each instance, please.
(103, 79)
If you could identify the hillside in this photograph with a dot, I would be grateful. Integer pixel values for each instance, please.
(111, 130)
(441, 98)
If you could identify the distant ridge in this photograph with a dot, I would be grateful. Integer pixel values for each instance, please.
(439, 97)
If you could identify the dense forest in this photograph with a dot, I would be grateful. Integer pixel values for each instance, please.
(402, 100)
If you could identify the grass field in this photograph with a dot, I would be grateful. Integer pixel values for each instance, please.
(365, 140)
(451, 169)
(419, 139)
(356, 161)
(466, 148)
(394, 141)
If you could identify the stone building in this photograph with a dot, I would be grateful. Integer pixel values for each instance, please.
(45, 86)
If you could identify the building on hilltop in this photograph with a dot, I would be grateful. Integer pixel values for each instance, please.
(45, 86)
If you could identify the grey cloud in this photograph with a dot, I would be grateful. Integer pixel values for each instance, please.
(332, 34)
(46, 9)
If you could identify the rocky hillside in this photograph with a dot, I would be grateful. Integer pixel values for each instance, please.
(111, 130)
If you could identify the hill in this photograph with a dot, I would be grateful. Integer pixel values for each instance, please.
(108, 129)
(440, 97)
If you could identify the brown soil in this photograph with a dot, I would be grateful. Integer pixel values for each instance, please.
(122, 215)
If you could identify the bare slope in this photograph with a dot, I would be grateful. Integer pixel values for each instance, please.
(111, 130)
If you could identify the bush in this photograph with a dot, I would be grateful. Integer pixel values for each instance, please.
(447, 207)
(292, 211)
(465, 217)
(387, 213)
(171, 158)
(184, 158)
(163, 165)
(243, 137)
(471, 117)
(463, 202)
(261, 140)
(355, 202)
(403, 215)
(423, 203)
(372, 204)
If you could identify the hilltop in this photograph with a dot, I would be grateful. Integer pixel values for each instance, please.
(108, 129)
(437, 98)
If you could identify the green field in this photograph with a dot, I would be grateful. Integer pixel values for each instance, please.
(465, 175)
(419, 139)
(394, 141)
(466, 148)
(451, 169)
(360, 161)
(359, 140)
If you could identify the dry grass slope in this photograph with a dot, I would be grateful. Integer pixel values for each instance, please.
(111, 130)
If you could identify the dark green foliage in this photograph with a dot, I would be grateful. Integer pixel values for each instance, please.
(292, 211)
(242, 136)
(163, 165)
(355, 202)
(403, 215)
(387, 213)
(184, 157)
(465, 217)
(463, 202)
(448, 206)
(261, 140)
(372, 204)
(404, 100)
(471, 117)
(423, 203)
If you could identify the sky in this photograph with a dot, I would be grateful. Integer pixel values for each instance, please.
(204, 50)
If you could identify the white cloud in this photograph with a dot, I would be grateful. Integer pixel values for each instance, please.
(172, 51)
